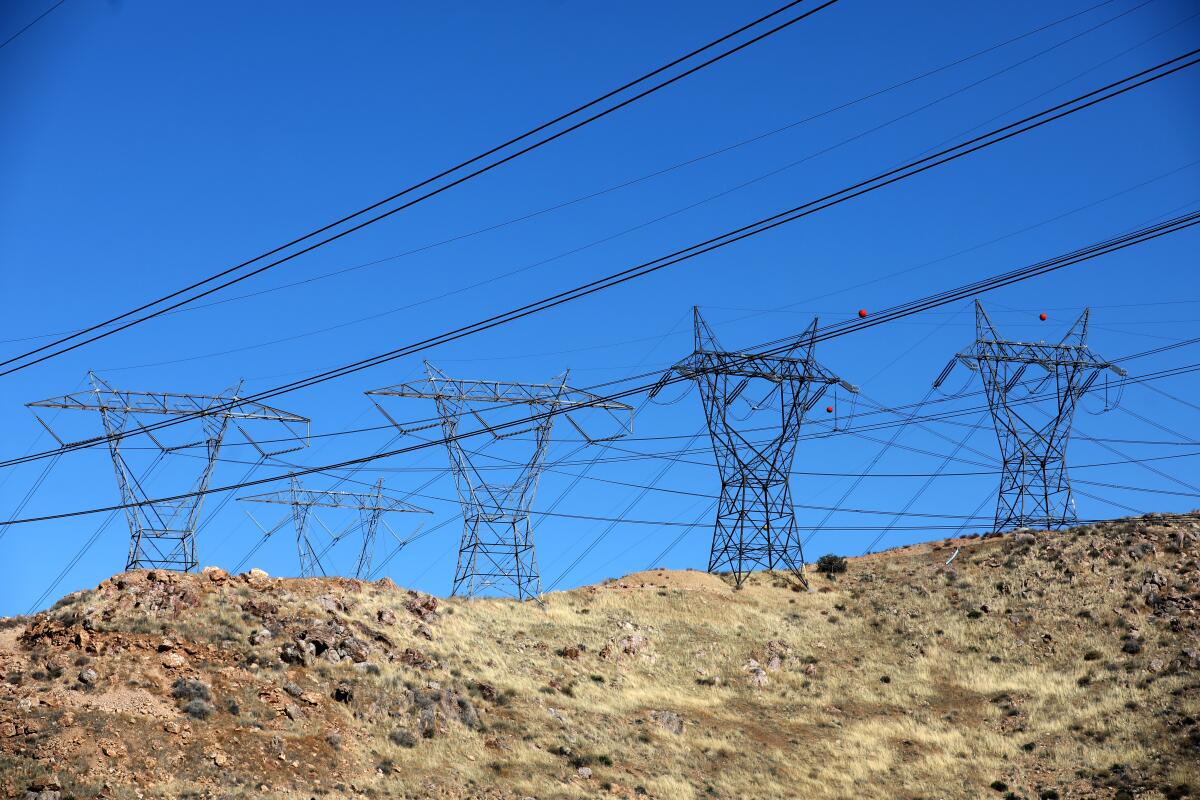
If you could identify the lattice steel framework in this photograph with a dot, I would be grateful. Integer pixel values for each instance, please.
(370, 505)
(756, 524)
(1035, 490)
(163, 532)
(497, 549)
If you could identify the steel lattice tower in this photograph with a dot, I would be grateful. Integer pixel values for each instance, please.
(497, 550)
(756, 524)
(370, 505)
(163, 532)
(1035, 491)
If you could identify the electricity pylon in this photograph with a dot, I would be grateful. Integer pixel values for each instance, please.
(371, 507)
(756, 523)
(1035, 491)
(163, 532)
(497, 551)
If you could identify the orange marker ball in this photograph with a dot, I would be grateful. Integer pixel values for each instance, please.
(828, 409)
(1042, 316)
(862, 312)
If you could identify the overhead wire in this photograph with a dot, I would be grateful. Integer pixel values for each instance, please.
(661, 171)
(109, 327)
(1059, 111)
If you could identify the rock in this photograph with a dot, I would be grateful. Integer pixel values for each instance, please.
(427, 722)
(571, 651)
(487, 691)
(1156, 665)
(633, 644)
(291, 654)
(8, 729)
(424, 608)
(423, 632)
(585, 773)
(668, 720)
(331, 604)
(215, 574)
(165, 644)
(356, 649)
(758, 676)
(261, 635)
(258, 573)
(88, 677)
(415, 658)
(293, 712)
(173, 661)
(1024, 538)
(386, 616)
(172, 727)
(343, 693)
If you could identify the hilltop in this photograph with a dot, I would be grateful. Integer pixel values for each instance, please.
(1033, 665)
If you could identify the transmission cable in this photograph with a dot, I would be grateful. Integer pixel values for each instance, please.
(839, 329)
(420, 198)
(1004, 133)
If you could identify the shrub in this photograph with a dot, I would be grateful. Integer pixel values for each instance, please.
(830, 564)
(403, 738)
(190, 689)
(198, 709)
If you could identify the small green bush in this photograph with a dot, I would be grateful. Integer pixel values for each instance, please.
(830, 564)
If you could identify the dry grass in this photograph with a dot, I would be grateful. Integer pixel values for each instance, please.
(902, 678)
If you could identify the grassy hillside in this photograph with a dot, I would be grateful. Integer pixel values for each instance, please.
(1057, 665)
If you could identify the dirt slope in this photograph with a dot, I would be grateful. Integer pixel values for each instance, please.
(1057, 665)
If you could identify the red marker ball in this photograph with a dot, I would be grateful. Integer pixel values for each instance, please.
(862, 312)
(829, 409)
(1042, 316)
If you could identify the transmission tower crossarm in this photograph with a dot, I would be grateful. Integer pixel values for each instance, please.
(361, 501)
(164, 404)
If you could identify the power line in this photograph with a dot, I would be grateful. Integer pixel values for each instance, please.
(1059, 111)
(633, 181)
(420, 198)
(35, 21)
(610, 237)
(835, 330)
(416, 423)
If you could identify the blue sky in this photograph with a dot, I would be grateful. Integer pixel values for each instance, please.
(146, 144)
